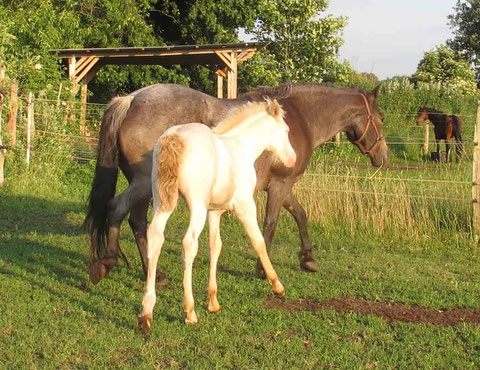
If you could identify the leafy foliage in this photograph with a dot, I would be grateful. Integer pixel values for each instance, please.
(466, 26)
(444, 66)
(305, 46)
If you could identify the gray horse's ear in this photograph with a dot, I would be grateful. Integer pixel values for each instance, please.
(274, 109)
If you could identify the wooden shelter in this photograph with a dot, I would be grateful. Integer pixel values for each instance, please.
(83, 64)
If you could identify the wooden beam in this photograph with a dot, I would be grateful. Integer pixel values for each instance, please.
(225, 57)
(80, 62)
(85, 70)
(79, 68)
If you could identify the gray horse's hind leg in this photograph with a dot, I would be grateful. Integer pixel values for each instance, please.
(119, 207)
(138, 224)
(291, 204)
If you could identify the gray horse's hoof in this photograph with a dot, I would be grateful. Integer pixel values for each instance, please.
(97, 272)
(309, 265)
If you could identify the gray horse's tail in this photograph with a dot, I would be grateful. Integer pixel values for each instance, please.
(106, 173)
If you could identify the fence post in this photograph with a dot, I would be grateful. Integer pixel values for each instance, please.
(2, 156)
(337, 139)
(30, 125)
(476, 176)
(83, 109)
(12, 114)
(426, 143)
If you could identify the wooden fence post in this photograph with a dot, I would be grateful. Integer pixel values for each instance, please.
(476, 177)
(30, 125)
(426, 143)
(12, 114)
(337, 139)
(2, 156)
(83, 109)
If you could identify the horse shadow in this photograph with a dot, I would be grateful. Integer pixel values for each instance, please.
(36, 247)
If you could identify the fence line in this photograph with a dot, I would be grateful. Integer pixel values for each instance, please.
(389, 178)
(466, 200)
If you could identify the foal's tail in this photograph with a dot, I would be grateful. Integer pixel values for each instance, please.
(106, 173)
(169, 155)
(457, 133)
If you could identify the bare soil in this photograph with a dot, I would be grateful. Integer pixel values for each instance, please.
(389, 311)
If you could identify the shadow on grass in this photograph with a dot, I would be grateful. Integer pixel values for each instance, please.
(30, 214)
(39, 246)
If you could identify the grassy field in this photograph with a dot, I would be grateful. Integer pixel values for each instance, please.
(52, 317)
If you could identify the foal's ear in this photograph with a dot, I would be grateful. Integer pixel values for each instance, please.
(274, 109)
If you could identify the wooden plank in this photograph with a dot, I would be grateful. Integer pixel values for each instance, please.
(476, 177)
(59, 93)
(12, 114)
(2, 152)
(29, 126)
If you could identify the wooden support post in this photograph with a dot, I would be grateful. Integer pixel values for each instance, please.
(83, 111)
(232, 77)
(12, 114)
(476, 177)
(219, 86)
(30, 125)
(426, 143)
(2, 151)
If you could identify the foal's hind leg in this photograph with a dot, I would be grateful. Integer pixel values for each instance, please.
(247, 213)
(190, 248)
(155, 242)
(215, 249)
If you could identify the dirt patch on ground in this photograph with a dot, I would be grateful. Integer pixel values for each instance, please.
(389, 311)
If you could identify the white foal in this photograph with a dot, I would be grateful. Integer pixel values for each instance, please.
(214, 171)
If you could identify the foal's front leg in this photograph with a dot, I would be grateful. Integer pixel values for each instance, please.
(215, 249)
(246, 211)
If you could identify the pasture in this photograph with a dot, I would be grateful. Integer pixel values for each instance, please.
(52, 317)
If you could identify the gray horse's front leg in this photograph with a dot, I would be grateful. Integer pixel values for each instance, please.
(307, 261)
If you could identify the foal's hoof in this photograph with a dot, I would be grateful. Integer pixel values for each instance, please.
(213, 307)
(97, 272)
(309, 265)
(145, 322)
(279, 290)
(191, 318)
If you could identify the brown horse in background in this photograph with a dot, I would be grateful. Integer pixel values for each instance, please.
(445, 127)
(131, 126)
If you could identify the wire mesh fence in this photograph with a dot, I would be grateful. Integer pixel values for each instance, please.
(339, 189)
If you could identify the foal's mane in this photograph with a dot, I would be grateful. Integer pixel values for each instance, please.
(239, 115)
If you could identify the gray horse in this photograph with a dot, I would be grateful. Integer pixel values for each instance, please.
(132, 124)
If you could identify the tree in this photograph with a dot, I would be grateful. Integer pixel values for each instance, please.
(304, 45)
(466, 26)
(444, 66)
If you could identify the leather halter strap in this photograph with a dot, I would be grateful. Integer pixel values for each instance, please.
(370, 122)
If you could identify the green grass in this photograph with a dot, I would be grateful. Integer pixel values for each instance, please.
(52, 317)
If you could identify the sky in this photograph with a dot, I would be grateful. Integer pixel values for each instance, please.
(389, 37)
